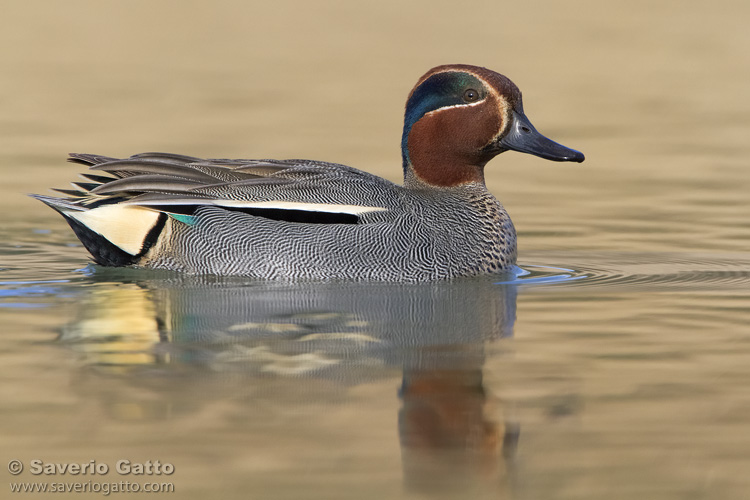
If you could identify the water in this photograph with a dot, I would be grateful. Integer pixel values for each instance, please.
(614, 365)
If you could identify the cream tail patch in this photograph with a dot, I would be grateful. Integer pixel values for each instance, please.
(125, 226)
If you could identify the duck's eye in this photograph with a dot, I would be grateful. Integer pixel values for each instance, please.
(471, 95)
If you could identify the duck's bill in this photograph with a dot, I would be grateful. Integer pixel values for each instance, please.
(523, 137)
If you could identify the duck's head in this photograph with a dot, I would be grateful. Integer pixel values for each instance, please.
(459, 117)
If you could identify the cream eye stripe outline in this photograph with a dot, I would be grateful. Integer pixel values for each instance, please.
(502, 102)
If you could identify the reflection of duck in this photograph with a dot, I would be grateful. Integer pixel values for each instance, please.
(444, 409)
(298, 344)
(207, 320)
(117, 327)
(307, 219)
(449, 438)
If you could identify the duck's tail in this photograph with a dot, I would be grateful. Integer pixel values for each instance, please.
(114, 234)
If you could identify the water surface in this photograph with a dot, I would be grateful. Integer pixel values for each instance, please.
(616, 365)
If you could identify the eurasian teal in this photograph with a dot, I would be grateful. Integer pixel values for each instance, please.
(290, 219)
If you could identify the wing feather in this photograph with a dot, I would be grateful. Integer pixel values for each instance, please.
(179, 184)
(146, 183)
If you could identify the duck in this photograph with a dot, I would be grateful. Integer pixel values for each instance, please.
(304, 219)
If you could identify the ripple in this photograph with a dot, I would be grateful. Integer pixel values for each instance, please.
(32, 294)
(646, 271)
(532, 274)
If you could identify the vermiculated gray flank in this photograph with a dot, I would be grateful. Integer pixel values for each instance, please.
(421, 236)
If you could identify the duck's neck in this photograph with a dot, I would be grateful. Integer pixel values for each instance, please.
(449, 162)
(440, 166)
(441, 173)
